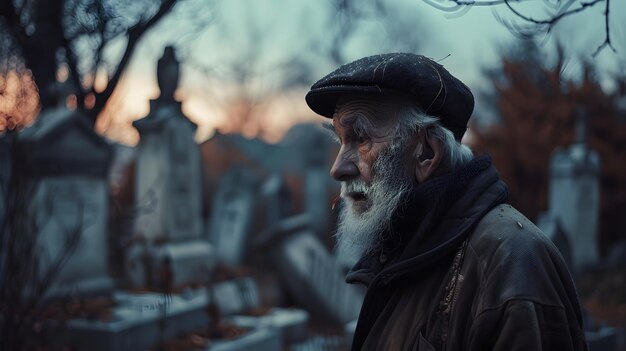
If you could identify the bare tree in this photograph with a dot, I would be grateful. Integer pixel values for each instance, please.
(45, 35)
(527, 25)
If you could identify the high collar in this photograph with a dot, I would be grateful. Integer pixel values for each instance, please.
(433, 220)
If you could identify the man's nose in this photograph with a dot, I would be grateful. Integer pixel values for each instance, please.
(343, 169)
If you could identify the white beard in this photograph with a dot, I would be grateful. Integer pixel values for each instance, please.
(358, 233)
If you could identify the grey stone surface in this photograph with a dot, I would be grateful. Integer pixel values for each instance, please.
(258, 340)
(182, 263)
(233, 214)
(551, 226)
(168, 178)
(291, 324)
(310, 151)
(574, 198)
(171, 250)
(66, 163)
(138, 322)
(235, 296)
(312, 276)
(168, 166)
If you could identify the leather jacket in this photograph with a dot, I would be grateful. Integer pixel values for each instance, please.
(480, 276)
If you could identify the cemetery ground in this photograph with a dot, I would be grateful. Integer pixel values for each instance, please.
(225, 245)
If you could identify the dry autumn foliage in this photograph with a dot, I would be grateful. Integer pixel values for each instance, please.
(537, 111)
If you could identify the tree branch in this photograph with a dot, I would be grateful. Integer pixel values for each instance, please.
(607, 33)
(134, 35)
(554, 19)
(535, 25)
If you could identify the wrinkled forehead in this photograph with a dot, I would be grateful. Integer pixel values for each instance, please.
(378, 111)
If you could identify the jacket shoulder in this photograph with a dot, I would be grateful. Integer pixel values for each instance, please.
(516, 260)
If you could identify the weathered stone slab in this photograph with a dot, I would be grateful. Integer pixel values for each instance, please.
(312, 276)
(139, 322)
(263, 339)
(233, 214)
(235, 296)
(64, 164)
(551, 226)
(183, 263)
(291, 324)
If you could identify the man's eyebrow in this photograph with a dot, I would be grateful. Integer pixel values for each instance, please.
(330, 127)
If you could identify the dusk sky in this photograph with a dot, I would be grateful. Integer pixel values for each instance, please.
(265, 33)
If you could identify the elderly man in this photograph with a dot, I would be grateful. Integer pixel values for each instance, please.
(447, 263)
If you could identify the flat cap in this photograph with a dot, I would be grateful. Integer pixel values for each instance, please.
(424, 81)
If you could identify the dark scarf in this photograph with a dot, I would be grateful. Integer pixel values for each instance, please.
(412, 225)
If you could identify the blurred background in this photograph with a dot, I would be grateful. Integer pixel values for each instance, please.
(164, 186)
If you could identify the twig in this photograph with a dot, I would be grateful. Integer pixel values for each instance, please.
(607, 33)
(553, 20)
(134, 35)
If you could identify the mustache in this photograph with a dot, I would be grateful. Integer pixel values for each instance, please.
(354, 186)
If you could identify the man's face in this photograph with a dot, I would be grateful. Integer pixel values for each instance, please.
(374, 167)
(364, 129)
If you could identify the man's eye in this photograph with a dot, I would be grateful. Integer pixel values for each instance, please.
(361, 136)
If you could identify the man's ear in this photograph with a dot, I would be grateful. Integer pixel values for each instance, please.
(429, 153)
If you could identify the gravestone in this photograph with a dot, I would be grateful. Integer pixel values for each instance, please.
(311, 274)
(574, 196)
(235, 296)
(171, 251)
(65, 164)
(168, 165)
(234, 208)
(311, 151)
(553, 229)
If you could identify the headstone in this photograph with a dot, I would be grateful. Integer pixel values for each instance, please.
(551, 226)
(311, 275)
(65, 164)
(276, 199)
(574, 196)
(234, 208)
(311, 151)
(171, 251)
(235, 296)
(168, 166)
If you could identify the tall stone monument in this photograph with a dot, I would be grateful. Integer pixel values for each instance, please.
(168, 164)
(574, 196)
(168, 186)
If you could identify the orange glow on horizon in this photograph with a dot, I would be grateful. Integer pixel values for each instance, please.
(131, 102)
